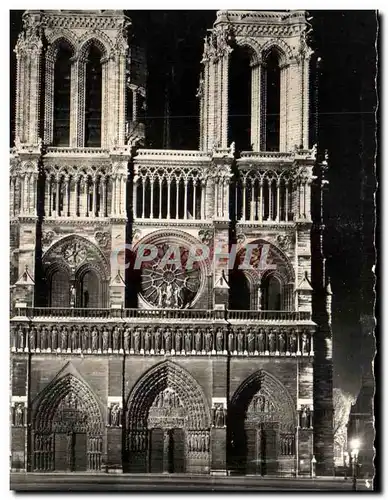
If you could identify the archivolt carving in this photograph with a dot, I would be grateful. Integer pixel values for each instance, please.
(261, 397)
(68, 406)
(184, 395)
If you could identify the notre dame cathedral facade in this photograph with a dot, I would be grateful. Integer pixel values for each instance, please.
(214, 369)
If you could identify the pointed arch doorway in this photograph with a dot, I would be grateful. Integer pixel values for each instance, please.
(168, 423)
(67, 430)
(262, 423)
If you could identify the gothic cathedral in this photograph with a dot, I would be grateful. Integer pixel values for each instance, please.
(214, 368)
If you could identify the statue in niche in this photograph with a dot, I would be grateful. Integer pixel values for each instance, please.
(147, 339)
(115, 415)
(167, 340)
(84, 338)
(303, 417)
(72, 296)
(260, 341)
(207, 442)
(136, 340)
(19, 414)
(240, 341)
(293, 341)
(169, 295)
(282, 342)
(219, 416)
(94, 339)
(54, 334)
(105, 339)
(304, 347)
(116, 334)
(157, 339)
(198, 340)
(271, 342)
(208, 340)
(74, 338)
(32, 337)
(308, 417)
(251, 341)
(220, 340)
(178, 338)
(64, 338)
(202, 442)
(20, 338)
(126, 339)
(231, 342)
(188, 340)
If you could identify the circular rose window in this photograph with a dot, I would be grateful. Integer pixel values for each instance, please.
(170, 280)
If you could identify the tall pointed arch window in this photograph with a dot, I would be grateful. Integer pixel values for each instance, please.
(93, 98)
(270, 102)
(62, 88)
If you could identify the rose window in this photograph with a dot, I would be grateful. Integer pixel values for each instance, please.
(168, 281)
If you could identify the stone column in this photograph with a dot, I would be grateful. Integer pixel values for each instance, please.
(255, 106)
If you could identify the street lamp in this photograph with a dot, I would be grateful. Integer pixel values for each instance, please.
(354, 450)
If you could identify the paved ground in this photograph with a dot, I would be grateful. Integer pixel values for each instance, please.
(181, 482)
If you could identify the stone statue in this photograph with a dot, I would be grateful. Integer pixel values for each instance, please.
(114, 415)
(293, 341)
(303, 417)
(207, 442)
(169, 295)
(308, 417)
(231, 342)
(282, 342)
(32, 338)
(64, 339)
(84, 338)
(260, 341)
(251, 341)
(126, 339)
(271, 342)
(19, 413)
(136, 338)
(261, 403)
(202, 442)
(94, 339)
(167, 340)
(220, 340)
(147, 339)
(116, 335)
(157, 340)
(198, 340)
(167, 399)
(188, 341)
(304, 347)
(219, 417)
(105, 339)
(208, 340)
(240, 341)
(178, 338)
(20, 338)
(72, 296)
(74, 339)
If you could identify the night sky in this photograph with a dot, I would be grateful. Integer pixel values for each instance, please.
(345, 40)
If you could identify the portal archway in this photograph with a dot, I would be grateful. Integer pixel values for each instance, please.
(67, 428)
(262, 422)
(168, 423)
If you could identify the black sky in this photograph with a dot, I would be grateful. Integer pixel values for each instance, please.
(345, 40)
